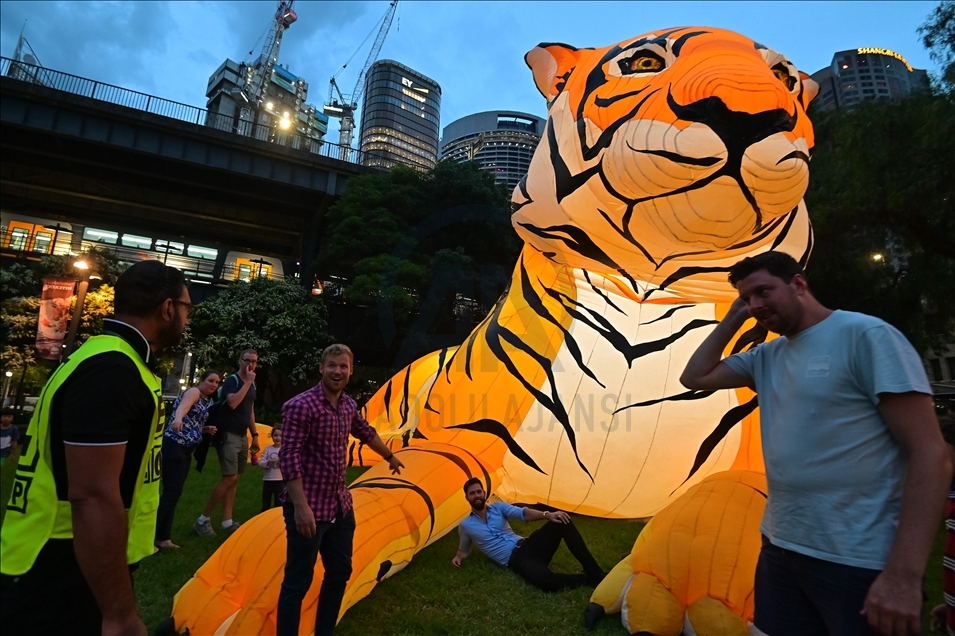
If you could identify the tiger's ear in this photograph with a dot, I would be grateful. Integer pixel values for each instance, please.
(809, 90)
(551, 65)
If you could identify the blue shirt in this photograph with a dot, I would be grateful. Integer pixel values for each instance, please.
(494, 538)
(833, 467)
(192, 422)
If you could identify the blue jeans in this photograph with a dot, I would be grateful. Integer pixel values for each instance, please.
(799, 595)
(333, 540)
(176, 460)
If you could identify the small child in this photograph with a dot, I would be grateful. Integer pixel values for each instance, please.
(9, 435)
(272, 482)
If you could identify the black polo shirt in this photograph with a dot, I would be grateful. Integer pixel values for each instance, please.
(105, 402)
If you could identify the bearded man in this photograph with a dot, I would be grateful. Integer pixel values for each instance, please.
(83, 509)
(487, 527)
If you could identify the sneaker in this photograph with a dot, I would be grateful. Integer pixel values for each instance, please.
(231, 528)
(204, 529)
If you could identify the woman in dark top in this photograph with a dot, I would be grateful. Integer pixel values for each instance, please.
(180, 440)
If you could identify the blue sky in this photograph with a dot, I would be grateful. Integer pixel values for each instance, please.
(474, 50)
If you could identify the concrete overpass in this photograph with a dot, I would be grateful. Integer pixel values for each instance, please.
(80, 151)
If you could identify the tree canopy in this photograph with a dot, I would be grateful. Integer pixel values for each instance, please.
(421, 256)
(938, 35)
(280, 319)
(882, 203)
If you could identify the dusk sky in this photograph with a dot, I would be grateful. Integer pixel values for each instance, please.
(474, 50)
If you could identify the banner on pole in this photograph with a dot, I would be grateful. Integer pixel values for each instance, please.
(55, 301)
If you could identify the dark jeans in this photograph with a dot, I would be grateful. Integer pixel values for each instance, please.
(52, 598)
(333, 540)
(176, 460)
(798, 595)
(531, 558)
(270, 494)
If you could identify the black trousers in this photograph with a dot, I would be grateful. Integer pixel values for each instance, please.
(531, 558)
(176, 460)
(52, 598)
(333, 540)
(271, 489)
(798, 594)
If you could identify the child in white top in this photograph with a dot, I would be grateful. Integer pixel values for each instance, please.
(272, 483)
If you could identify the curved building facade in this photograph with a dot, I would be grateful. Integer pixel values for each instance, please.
(867, 73)
(502, 142)
(400, 117)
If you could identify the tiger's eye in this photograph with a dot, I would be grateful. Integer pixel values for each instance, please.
(641, 63)
(782, 74)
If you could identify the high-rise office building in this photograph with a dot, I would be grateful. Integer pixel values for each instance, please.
(502, 142)
(400, 117)
(868, 73)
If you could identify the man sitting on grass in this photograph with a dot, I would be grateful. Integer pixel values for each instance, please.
(530, 557)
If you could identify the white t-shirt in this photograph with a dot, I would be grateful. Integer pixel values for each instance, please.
(270, 453)
(833, 468)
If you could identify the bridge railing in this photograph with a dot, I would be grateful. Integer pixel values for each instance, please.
(109, 93)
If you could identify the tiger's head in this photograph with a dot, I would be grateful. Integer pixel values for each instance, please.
(681, 148)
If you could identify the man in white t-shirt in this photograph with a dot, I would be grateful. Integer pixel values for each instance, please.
(856, 466)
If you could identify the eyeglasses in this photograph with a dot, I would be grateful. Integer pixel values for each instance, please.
(185, 303)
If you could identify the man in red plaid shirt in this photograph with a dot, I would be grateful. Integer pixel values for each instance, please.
(317, 506)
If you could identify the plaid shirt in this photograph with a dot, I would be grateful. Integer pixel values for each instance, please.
(314, 448)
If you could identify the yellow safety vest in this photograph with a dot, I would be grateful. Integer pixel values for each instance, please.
(35, 515)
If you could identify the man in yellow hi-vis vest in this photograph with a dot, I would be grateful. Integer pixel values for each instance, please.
(82, 512)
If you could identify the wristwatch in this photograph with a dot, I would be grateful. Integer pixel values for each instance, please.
(388, 459)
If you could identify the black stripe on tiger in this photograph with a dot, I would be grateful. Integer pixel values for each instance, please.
(668, 313)
(577, 240)
(393, 483)
(494, 334)
(733, 417)
(601, 293)
(684, 272)
(387, 399)
(494, 427)
(404, 407)
(535, 302)
(679, 397)
(619, 341)
(427, 402)
(460, 463)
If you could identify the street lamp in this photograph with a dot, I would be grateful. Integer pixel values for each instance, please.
(6, 387)
(83, 269)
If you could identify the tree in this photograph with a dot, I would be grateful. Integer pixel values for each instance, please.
(414, 248)
(20, 286)
(882, 203)
(938, 35)
(280, 319)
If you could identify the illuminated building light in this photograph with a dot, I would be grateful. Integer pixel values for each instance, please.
(887, 52)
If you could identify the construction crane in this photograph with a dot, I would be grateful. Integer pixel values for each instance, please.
(257, 76)
(343, 107)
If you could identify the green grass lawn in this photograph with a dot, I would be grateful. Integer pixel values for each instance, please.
(429, 596)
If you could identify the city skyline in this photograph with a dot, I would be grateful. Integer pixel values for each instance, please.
(169, 49)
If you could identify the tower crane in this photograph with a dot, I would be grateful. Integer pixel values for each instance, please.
(257, 77)
(343, 107)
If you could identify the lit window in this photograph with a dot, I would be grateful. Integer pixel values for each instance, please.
(202, 252)
(142, 242)
(169, 247)
(100, 236)
(43, 242)
(18, 239)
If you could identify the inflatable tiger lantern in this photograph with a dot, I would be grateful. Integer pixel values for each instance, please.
(666, 158)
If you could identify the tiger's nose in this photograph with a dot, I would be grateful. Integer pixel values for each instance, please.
(738, 130)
